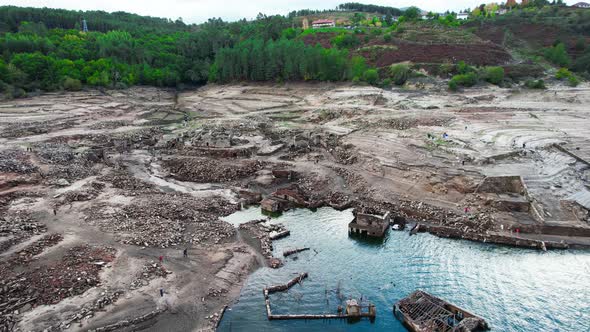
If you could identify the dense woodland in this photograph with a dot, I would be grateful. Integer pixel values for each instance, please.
(45, 49)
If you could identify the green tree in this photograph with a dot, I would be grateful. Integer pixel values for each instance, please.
(558, 55)
(494, 75)
(371, 76)
(412, 13)
(400, 73)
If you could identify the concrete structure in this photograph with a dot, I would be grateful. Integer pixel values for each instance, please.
(323, 24)
(369, 225)
(581, 5)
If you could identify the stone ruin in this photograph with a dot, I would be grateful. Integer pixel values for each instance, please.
(369, 224)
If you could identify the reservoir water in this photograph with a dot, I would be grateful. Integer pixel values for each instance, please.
(513, 289)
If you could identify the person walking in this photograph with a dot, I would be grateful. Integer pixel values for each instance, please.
(161, 259)
(185, 253)
(161, 292)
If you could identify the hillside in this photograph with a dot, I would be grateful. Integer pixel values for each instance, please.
(44, 49)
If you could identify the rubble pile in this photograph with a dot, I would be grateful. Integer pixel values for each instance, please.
(75, 273)
(263, 231)
(150, 270)
(18, 226)
(214, 292)
(123, 180)
(129, 322)
(86, 193)
(26, 255)
(478, 222)
(205, 170)
(345, 154)
(74, 171)
(16, 161)
(405, 123)
(110, 124)
(175, 219)
(213, 231)
(339, 200)
(353, 180)
(65, 162)
(139, 138)
(22, 129)
(88, 310)
(55, 153)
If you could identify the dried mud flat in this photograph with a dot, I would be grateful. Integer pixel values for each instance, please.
(96, 187)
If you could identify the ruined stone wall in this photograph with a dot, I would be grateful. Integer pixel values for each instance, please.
(502, 184)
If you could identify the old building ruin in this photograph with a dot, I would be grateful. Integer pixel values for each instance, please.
(369, 225)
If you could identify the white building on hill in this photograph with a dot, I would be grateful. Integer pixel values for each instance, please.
(323, 24)
(462, 16)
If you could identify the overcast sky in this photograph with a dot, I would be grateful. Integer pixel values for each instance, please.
(197, 11)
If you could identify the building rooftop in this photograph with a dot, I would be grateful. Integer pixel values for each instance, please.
(323, 21)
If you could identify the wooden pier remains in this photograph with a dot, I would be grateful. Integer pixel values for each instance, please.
(423, 312)
(293, 251)
(353, 309)
(279, 235)
(284, 287)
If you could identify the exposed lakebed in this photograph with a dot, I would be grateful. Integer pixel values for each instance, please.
(513, 289)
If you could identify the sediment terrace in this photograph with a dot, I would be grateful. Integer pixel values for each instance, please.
(126, 177)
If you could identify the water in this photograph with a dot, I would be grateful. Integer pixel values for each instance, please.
(513, 289)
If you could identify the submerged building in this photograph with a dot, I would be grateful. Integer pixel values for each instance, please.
(369, 224)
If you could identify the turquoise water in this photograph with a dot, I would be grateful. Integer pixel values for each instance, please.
(513, 289)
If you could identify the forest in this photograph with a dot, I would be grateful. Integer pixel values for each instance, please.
(47, 50)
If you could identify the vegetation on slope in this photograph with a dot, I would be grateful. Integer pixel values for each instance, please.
(45, 49)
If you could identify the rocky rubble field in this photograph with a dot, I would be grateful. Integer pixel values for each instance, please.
(101, 195)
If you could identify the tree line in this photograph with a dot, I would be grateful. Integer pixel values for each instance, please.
(11, 18)
(284, 60)
(361, 7)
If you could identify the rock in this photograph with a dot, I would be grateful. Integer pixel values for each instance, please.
(63, 182)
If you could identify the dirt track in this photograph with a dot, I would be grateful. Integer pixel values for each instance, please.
(135, 174)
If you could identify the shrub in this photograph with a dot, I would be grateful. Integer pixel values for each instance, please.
(387, 37)
(558, 55)
(583, 63)
(400, 73)
(535, 84)
(463, 68)
(563, 73)
(494, 75)
(453, 86)
(386, 83)
(466, 80)
(573, 80)
(444, 70)
(72, 84)
(345, 40)
(371, 76)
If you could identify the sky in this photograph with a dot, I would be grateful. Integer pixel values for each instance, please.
(198, 11)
